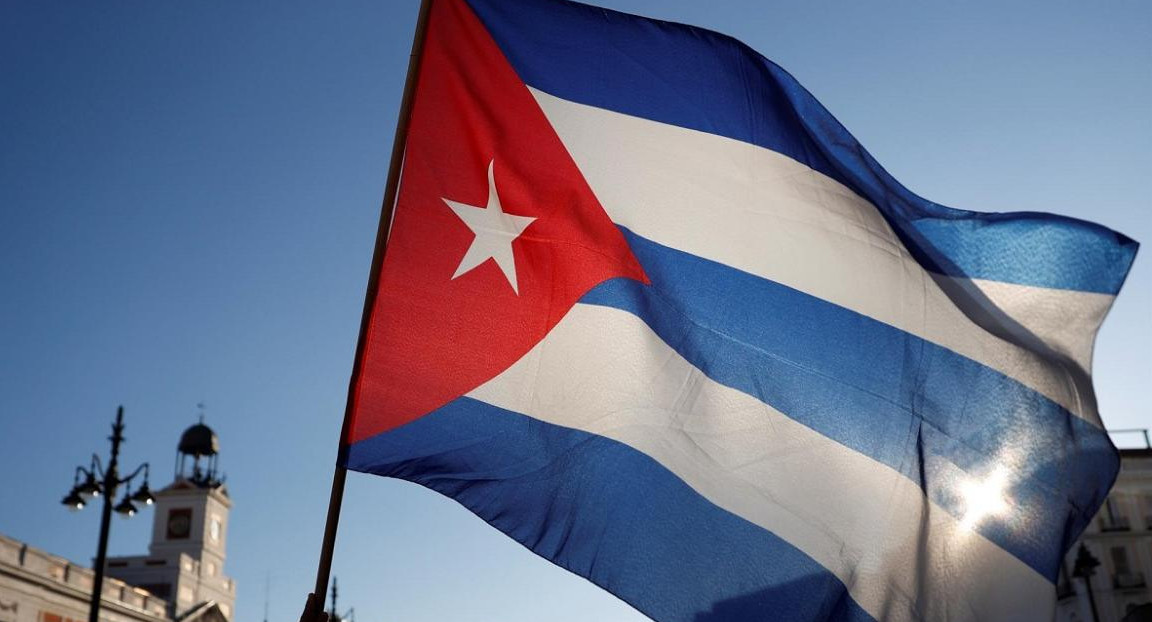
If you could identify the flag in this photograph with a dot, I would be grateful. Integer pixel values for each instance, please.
(647, 308)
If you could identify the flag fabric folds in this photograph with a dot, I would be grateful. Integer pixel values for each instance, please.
(648, 308)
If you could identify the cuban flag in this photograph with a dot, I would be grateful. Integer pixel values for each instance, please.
(647, 308)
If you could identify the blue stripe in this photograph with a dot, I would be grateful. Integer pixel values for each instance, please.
(607, 512)
(705, 81)
(899, 399)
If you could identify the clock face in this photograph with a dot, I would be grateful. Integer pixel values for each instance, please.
(179, 523)
(214, 529)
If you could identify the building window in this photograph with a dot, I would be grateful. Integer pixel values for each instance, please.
(1124, 577)
(1064, 587)
(1113, 518)
(8, 611)
(1120, 559)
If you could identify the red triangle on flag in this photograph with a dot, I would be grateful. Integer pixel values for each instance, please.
(454, 307)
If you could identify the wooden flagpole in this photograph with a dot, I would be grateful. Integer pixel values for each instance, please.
(324, 567)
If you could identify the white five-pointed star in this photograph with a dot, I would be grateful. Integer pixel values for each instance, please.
(495, 231)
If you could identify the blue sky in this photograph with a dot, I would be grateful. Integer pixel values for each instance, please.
(188, 200)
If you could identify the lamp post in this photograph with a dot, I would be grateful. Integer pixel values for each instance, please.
(98, 482)
(349, 616)
(1084, 568)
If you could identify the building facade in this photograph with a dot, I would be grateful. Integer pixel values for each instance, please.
(1120, 539)
(181, 579)
(36, 586)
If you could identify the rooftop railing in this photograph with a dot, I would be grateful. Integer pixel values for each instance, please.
(1127, 434)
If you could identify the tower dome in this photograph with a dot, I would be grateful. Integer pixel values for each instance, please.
(202, 445)
(199, 440)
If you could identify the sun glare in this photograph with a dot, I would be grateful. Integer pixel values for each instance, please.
(984, 498)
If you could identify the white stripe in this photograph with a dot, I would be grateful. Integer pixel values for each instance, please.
(764, 213)
(1066, 320)
(604, 371)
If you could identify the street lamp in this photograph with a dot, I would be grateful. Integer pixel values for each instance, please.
(101, 482)
(1084, 568)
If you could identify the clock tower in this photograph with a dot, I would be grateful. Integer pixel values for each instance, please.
(185, 564)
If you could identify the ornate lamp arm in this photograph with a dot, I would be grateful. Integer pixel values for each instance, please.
(142, 467)
(96, 467)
